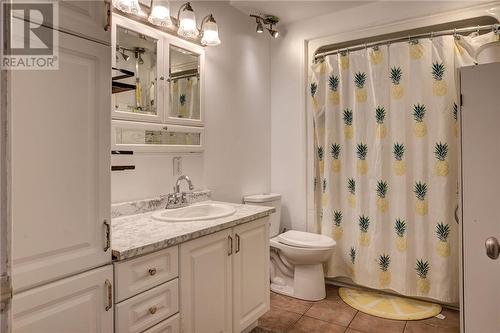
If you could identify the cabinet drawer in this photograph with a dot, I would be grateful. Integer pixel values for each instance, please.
(171, 325)
(137, 275)
(147, 309)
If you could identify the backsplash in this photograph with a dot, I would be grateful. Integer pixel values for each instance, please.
(148, 205)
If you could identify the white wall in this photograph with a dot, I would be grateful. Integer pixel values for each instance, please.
(288, 76)
(237, 103)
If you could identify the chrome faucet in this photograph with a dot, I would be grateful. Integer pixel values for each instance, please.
(177, 198)
(177, 188)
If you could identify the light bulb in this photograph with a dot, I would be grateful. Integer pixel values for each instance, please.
(127, 6)
(210, 33)
(260, 27)
(187, 23)
(160, 14)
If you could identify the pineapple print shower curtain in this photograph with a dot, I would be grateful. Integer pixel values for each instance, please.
(387, 163)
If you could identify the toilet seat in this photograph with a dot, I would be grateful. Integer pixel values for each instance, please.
(305, 240)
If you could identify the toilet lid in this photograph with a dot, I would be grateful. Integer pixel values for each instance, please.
(305, 239)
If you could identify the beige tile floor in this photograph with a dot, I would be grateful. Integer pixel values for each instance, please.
(332, 315)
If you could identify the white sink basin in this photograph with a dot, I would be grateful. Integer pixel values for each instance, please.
(204, 211)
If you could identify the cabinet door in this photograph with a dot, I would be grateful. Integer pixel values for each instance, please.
(138, 48)
(206, 284)
(88, 18)
(76, 304)
(251, 296)
(61, 164)
(184, 97)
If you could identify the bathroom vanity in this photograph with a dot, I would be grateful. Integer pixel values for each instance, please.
(191, 276)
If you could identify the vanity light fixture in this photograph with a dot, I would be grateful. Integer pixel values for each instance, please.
(127, 6)
(266, 20)
(160, 13)
(209, 31)
(187, 21)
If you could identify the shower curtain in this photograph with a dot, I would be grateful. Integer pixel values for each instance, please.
(385, 132)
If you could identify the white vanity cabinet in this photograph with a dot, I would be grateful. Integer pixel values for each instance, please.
(147, 293)
(225, 279)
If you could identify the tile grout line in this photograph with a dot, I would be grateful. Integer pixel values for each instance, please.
(349, 325)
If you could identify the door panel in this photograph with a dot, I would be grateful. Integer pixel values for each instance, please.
(72, 305)
(251, 296)
(206, 284)
(61, 164)
(480, 118)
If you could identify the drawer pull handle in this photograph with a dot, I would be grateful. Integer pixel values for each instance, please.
(109, 294)
(153, 310)
(152, 271)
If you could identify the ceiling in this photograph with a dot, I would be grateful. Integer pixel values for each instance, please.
(292, 11)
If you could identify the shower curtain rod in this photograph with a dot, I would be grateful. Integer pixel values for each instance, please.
(493, 27)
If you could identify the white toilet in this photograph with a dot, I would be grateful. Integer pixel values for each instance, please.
(297, 257)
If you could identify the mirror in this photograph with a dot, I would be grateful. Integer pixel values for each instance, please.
(136, 136)
(184, 69)
(137, 52)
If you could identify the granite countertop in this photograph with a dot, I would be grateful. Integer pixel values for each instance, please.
(139, 234)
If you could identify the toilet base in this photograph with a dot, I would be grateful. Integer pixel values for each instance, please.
(308, 283)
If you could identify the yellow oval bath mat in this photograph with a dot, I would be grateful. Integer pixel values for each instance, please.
(388, 306)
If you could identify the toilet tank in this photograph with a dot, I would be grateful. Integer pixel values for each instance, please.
(270, 200)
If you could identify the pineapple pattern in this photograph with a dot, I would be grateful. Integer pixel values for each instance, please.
(388, 139)
(397, 90)
(443, 245)
(313, 88)
(421, 206)
(361, 152)
(439, 87)
(380, 118)
(418, 115)
(344, 60)
(455, 117)
(399, 164)
(359, 82)
(384, 261)
(348, 129)
(440, 152)
(382, 203)
(337, 225)
(335, 152)
(364, 236)
(352, 256)
(416, 49)
(351, 197)
(400, 230)
(333, 84)
(376, 55)
(321, 162)
(324, 195)
(422, 268)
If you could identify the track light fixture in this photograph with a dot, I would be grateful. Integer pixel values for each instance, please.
(266, 20)
(186, 20)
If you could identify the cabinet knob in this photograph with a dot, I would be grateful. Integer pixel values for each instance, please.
(153, 309)
(152, 271)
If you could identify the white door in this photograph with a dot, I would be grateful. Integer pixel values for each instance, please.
(206, 284)
(480, 119)
(251, 296)
(78, 304)
(61, 165)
